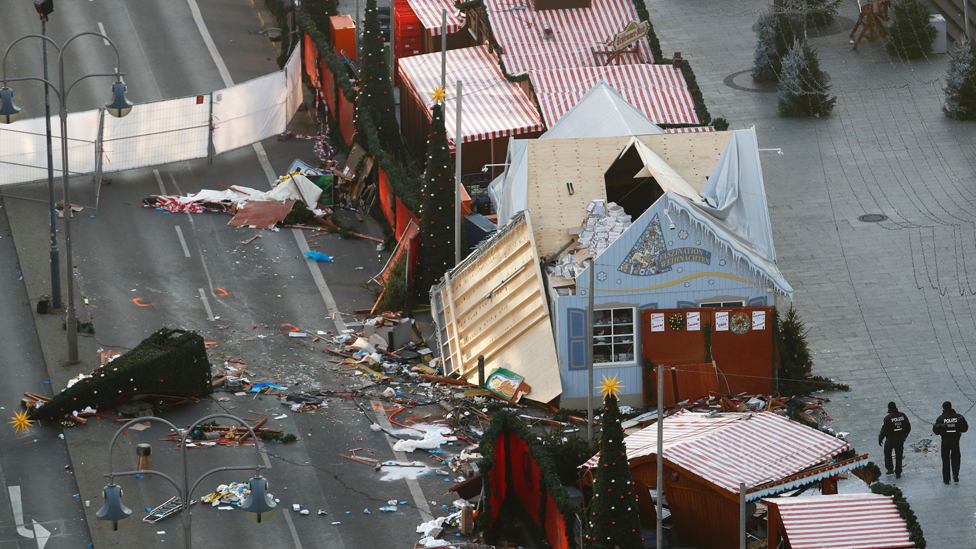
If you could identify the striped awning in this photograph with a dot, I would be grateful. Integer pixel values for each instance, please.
(842, 521)
(491, 106)
(659, 91)
(755, 449)
(696, 129)
(521, 31)
(431, 16)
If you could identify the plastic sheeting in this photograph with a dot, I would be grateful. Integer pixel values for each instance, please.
(23, 147)
(157, 133)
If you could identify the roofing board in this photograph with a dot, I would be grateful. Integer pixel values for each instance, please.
(842, 521)
(430, 13)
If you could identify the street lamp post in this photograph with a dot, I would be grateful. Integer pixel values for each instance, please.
(258, 507)
(45, 8)
(119, 106)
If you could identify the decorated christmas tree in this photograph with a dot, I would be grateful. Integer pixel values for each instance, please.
(803, 89)
(437, 212)
(613, 520)
(910, 34)
(375, 92)
(960, 90)
(775, 33)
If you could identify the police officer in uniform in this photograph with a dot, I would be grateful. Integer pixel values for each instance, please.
(893, 433)
(950, 426)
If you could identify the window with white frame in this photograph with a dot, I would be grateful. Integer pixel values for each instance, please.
(614, 338)
(722, 304)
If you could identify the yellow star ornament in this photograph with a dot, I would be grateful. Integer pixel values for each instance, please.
(21, 422)
(439, 94)
(610, 386)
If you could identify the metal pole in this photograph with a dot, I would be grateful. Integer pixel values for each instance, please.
(359, 31)
(742, 515)
(72, 322)
(55, 274)
(457, 179)
(589, 353)
(965, 15)
(444, 49)
(660, 456)
(481, 371)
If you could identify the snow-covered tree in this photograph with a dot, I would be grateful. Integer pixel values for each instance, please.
(775, 33)
(960, 90)
(910, 34)
(803, 89)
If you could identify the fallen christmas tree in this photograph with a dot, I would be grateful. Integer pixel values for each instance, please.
(169, 363)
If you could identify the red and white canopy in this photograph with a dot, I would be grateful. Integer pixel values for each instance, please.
(521, 31)
(696, 129)
(659, 91)
(842, 521)
(430, 14)
(492, 106)
(731, 448)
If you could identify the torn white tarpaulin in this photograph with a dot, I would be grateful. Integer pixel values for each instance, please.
(295, 187)
(434, 436)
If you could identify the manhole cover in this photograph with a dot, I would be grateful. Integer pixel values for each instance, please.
(872, 218)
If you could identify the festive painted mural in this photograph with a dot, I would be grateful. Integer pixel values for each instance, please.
(651, 256)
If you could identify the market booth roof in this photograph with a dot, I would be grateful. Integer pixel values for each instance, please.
(521, 30)
(658, 91)
(762, 450)
(842, 521)
(492, 106)
(430, 15)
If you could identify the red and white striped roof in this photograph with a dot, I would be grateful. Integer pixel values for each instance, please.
(430, 14)
(842, 521)
(696, 129)
(520, 30)
(492, 106)
(659, 91)
(731, 448)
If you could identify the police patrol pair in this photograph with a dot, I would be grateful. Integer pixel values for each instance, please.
(896, 427)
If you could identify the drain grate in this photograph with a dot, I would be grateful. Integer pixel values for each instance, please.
(872, 218)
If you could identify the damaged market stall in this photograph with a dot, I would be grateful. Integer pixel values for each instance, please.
(707, 456)
(675, 227)
(848, 521)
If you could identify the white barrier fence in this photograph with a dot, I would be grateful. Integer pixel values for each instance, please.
(156, 133)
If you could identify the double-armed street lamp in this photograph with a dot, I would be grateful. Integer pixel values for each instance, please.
(258, 506)
(118, 106)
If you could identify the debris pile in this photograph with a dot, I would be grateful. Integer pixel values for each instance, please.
(604, 224)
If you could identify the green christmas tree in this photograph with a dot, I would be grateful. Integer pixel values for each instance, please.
(960, 90)
(815, 13)
(775, 34)
(803, 89)
(613, 521)
(794, 355)
(910, 34)
(437, 212)
(375, 91)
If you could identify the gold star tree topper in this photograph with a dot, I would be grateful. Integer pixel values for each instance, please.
(439, 94)
(21, 422)
(610, 386)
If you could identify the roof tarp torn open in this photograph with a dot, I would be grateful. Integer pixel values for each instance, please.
(666, 177)
(494, 304)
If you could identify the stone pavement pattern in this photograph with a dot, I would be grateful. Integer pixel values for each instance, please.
(890, 305)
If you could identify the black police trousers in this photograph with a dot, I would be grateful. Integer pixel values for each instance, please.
(950, 456)
(898, 446)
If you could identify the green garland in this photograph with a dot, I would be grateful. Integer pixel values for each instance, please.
(280, 11)
(507, 422)
(905, 510)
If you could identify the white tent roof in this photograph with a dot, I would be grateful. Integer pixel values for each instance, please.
(602, 112)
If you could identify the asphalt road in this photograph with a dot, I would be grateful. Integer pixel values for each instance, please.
(140, 269)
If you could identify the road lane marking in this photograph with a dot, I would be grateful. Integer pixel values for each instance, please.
(179, 233)
(180, 192)
(162, 189)
(41, 534)
(206, 304)
(101, 29)
(16, 503)
(208, 40)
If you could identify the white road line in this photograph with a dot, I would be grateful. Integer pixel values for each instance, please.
(412, 484)
(101, 29)
(208, 40)
(206, 304)
(179, 233)
(291, 526)
(162, 189)
(18, 508)
(180, 191)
